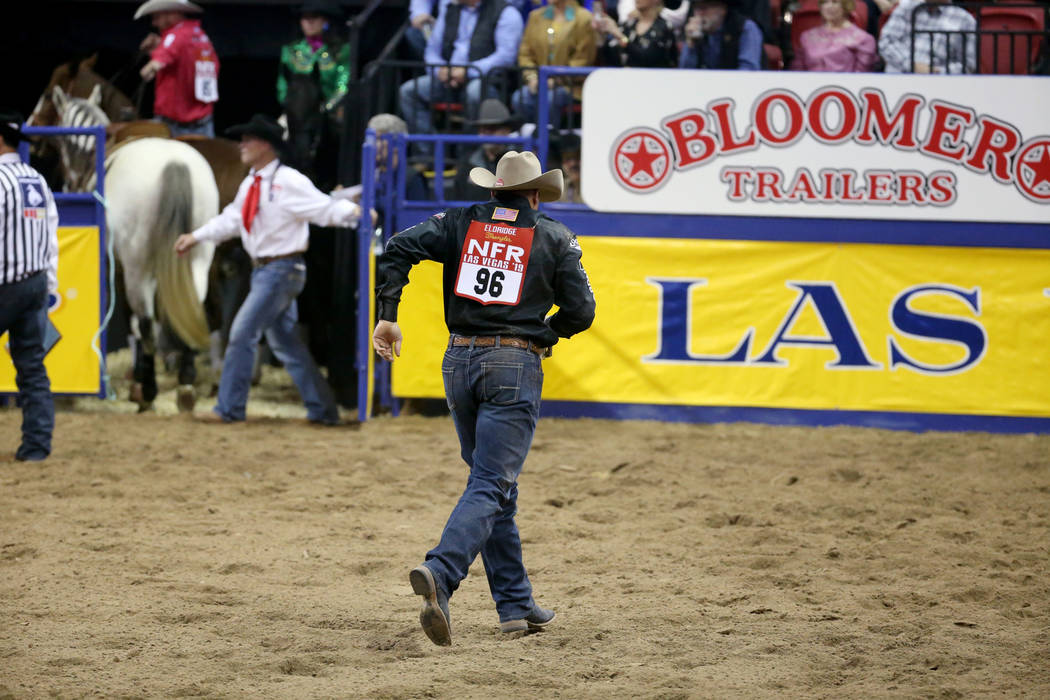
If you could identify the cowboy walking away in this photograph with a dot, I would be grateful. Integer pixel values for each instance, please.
(505, 265)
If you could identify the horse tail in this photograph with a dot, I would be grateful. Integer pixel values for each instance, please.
(177, 299)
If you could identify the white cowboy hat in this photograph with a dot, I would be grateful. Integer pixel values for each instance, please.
(148, 8)
(520, 171)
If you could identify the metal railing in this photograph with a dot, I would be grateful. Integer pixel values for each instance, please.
(982, 49)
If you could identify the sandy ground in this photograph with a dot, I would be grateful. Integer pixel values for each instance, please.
(152, 556)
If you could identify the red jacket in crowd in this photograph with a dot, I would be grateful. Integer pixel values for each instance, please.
(188, 84)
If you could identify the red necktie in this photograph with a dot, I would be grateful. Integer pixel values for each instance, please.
(251, 204)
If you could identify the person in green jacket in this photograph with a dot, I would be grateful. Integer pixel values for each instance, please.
(311, 83)
(321, 50)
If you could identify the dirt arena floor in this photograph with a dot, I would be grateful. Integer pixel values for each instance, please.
(152, 556)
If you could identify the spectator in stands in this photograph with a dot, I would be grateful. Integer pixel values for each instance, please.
(185, 65)
(559, 34)
(673, 12)
(386, 125)
(876, 9)
(494, 119)
(421, 14)
(838, 46)
(719, 36)
(569, 151)
(645, 40)
(944, 39)
(475, 34)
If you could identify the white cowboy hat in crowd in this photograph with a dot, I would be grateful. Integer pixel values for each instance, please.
(148, 8)
(520, 171)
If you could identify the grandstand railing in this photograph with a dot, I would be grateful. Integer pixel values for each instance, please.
(986, 44)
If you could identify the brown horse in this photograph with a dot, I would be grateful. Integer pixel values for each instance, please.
(227, 279)
(79, 79)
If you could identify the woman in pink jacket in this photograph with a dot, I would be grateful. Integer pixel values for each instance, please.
(838, 46)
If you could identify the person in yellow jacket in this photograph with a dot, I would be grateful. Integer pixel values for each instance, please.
(557, 34)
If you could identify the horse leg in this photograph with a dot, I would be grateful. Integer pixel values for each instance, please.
(144, 386)
(140, 290)
(185, 394)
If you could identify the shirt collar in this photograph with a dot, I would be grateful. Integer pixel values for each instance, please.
(570, 12)
(268, 169)
(10, 158)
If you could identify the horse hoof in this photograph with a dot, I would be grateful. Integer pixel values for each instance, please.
(137, 395)
(185, 398)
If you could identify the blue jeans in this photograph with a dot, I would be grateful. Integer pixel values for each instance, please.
(494, 396)
(270, 307)
(24, 313)
(417, 95)
(525, 103)
(204, 127)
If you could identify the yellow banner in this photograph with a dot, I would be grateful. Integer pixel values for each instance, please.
(71, 364)
(787, 325)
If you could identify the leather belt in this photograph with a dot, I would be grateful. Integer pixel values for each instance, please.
(259, 262)
(488, 341)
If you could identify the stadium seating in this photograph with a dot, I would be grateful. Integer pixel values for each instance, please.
(1015, 45)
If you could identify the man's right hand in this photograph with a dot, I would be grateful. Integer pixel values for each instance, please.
(184, 243)
(422, 20)
(151, 42)
(442, 74)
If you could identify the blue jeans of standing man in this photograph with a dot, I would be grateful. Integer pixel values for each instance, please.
(494, 396)
(24, 313)
(270, 308)
(202, 127)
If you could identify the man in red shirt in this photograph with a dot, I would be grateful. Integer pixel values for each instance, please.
(185, 65)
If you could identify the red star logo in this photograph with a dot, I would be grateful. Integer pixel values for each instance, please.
(1040, 169)
(641, 160)
(1033, 174)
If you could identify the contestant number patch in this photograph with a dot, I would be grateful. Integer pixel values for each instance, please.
(492, 263)
(206, 81)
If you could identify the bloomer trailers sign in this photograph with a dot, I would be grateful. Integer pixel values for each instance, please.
(959, 148)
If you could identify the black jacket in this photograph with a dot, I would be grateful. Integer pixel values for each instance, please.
(553, 273)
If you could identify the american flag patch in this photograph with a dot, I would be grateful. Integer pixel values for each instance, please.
(505, 214)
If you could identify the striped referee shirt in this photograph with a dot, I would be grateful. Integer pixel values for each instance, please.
(28, 223)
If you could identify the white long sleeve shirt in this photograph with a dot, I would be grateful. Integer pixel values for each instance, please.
(288, 204)
(28, 224)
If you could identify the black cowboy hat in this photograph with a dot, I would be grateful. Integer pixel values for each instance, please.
(263, 127)
(326, 8)
(11, 127)
(494, 113)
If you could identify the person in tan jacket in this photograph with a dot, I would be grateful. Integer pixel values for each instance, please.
(558, 34)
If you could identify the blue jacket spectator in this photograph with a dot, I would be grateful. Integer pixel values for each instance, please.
(470, 38)
(719, 36)
(421, 14)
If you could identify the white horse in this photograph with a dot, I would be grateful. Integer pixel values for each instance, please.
(155, 189)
